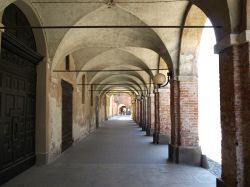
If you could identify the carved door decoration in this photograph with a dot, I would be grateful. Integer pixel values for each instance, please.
(67, 112)
(17, 101)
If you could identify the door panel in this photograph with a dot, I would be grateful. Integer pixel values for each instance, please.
(67, 112)
(17, 111)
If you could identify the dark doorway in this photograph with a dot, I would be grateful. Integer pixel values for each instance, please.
(17, 96)
(67, 112)
(97, 112)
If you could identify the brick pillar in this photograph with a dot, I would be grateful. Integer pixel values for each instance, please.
(157, 119)
(235, 115)
(143, 124)
(184, 146)
(152, 118)
(134, 110)
(148, 123)
(164, 113)
(137, 111)
(141, 113)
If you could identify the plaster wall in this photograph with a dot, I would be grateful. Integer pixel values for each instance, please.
(84, 120)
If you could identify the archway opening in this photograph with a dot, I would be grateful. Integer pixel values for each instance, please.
(209, 99)
(120, 104)
(18, 83)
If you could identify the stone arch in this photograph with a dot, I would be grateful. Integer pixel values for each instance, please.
(190, 40)
(33, 19)
(219, 14)
(33, 79)
(90, 39)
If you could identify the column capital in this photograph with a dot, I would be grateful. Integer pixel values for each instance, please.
(185, 78)
(232, 39)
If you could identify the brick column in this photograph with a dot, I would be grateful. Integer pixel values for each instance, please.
(235, 115)
(148, 123)
(164, 113)
(184, 146)
(133, 110)
(157, 119)
(152, 118)
(141, 112)
(143, 124)
(138, 112)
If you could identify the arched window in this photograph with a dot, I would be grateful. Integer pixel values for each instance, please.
(13, 17)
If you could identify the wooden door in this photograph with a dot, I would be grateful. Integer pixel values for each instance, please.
(17, 107)
(97, 111)
(67, 112)
(18, 62)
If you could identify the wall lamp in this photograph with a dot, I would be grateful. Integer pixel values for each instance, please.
(159, 79)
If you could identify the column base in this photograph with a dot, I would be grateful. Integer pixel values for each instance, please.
(148, 130)
(185, 155)
(220, 183)
(164, 139)
(151, 132)
(155, 138)
(143, 127)
(140, 124)
(42, 159)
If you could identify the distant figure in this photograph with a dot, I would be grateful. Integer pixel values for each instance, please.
(124, 111)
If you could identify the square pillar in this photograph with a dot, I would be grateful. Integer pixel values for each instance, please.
(148, 122)
(164, 113)
(184, 147)
(235, 115)
(152, 114)
(144, 112)
(137, 111)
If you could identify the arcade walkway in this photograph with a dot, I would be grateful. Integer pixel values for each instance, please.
(116, 155)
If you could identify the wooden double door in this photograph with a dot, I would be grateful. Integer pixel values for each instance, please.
(17, 107)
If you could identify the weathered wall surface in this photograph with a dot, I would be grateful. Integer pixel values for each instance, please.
(164, 110)
(152, 119)
(84, 119)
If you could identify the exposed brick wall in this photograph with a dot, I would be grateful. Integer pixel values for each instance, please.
(227, 118)
(189, 113)
(144, 111)
(235, 115)
(242, 111)
(184, 112)
(164, 111)
(175, 111)
(152, 121)
(148, 121)
(137, 111)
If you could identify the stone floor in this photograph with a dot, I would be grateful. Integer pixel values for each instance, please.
(117, 154)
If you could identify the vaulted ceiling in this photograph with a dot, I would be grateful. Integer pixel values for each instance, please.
(118, 48)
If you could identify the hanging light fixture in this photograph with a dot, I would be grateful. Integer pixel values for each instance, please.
(159, 79)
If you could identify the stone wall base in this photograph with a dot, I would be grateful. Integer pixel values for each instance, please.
(220, 183)
(42, 159)
(148, 131)
(143, 126)
(164, 139)
(185, 155)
